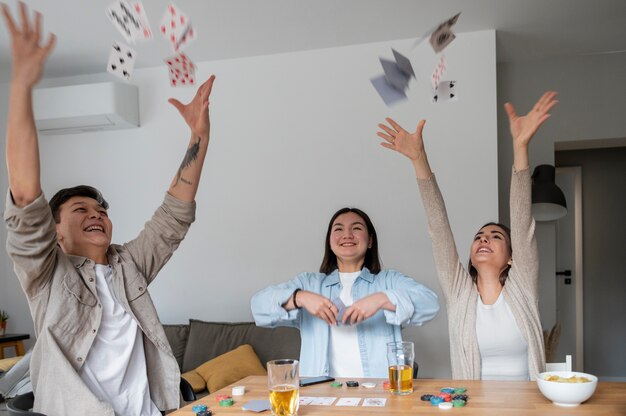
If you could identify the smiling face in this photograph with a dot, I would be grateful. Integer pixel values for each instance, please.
(491, 247)
(349, 241)
(84, 228)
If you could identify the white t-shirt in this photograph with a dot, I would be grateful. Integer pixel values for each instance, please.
(344, 352)
(503, 349)
(115, 368)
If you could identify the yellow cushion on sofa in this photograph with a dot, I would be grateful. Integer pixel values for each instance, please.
(230, 367)
(195, 380)
(7, 363)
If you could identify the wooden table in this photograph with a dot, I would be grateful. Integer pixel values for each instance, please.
(15, 341)
(508, 398)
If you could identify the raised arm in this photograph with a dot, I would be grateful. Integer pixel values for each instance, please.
(196, 114)
(22, 147)
(523, 128)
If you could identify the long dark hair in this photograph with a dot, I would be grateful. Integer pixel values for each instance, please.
(505, 273)
(372, 260)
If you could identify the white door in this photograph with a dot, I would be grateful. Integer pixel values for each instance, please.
(569, 279)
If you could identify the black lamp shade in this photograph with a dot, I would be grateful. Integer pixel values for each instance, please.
(547, 198)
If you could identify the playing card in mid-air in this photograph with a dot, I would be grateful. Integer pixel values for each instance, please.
(146, 31)
(445, 91)
(438, 72)
(176, 28)
(124, 18)
(182, 70)
(121, 61)
(389, 94)
(443, 35)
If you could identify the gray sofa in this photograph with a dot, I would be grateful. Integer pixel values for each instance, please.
(199, 341)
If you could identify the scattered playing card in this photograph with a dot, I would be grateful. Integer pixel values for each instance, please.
(182, 70)
(305, 400)
(121, 61)
(146, 31)
(123, 17)
(374, 401)
(443, 35)
(348, 401)
(404, 64)
(322, 401)
(438, 72)
(389, 94)
(257, 405)
(176, 27)
(445, 91)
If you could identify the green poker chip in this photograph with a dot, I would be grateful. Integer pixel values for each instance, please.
(336, 384)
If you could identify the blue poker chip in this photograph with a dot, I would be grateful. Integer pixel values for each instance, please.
(435, 400)
(449, 390)
(199, 408)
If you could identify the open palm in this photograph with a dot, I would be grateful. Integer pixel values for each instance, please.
(524, 127)
(196, 113)
(398, 139)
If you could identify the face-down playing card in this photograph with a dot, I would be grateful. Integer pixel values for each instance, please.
(121, 61)
(443, 35)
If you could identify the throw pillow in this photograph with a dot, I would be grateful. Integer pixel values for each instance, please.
(231, 367)
(197, 382)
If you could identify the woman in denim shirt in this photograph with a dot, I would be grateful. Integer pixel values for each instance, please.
(351, 309)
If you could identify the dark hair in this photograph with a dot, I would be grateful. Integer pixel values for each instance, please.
(372, 260)
(505, 273)
(81, 190)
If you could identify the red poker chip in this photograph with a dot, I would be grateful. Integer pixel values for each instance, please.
(386, 385)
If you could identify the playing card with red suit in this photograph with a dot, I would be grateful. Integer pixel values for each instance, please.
(176, 28)
(182, 70)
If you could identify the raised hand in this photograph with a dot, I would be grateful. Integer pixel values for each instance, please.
(523, 128)
(319, 306)
(28, 56)
(196, 113)
(364, 308)
(396, 138)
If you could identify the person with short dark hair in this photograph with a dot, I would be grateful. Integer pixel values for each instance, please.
(493, 312)
(100, 347)
(351, 309)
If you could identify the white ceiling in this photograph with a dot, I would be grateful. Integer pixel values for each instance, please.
(526, 29)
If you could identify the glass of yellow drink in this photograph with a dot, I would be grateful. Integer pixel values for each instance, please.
(283, 383)
(400, 355)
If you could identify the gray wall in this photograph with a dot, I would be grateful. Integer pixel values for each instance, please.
(604, 238)
(592, 95)
(293, 139)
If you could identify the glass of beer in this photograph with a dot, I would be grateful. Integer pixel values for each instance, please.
(283, 381)
(400, 355)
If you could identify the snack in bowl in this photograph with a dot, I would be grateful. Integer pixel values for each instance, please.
(567, 388)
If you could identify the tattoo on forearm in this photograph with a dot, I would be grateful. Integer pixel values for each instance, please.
(190, 156)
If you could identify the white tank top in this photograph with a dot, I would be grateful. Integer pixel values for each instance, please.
(343, 349)
(115, 368)
(503, 349)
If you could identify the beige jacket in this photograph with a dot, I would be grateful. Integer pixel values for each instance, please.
(61, 293)
(461, 294)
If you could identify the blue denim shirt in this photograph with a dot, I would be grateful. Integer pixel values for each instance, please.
(415, 304)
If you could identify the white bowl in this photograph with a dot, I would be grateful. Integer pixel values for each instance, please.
(566, 394)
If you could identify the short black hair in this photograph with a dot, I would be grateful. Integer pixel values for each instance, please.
(81, 190)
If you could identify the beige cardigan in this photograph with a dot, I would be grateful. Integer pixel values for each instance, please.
(461, 294)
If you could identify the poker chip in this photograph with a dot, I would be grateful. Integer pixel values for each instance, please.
(221, 397)
(458, 403)
(463, 397)
(204, 413)
(352, 383)
(238, 390)
(436, 400)
(459, 390)
(449, 390)
(426, 397)
(386, 385)
(368, 385)
(336, 384)
(445, 405)
(227, 402)
(447, 397)
(198, 408)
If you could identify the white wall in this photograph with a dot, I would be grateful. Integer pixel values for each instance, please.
(293, 140)
(592, 99)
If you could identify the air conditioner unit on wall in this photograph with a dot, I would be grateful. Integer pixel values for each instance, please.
(88, 107)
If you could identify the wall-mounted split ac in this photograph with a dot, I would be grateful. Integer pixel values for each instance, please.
(88, 107)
